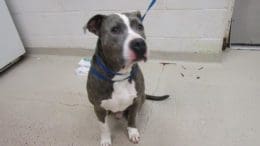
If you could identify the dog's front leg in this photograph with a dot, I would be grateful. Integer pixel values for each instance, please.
(133, 132)
(104, 128)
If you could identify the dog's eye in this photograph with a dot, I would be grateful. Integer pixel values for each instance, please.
(116, 29)
(140, 27)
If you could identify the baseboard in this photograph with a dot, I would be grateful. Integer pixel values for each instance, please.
(61, 51)
(155, 55)
(245, 47)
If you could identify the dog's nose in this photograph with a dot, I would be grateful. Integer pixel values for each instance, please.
(139, 47)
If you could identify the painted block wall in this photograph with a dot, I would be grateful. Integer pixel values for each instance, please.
(172, 25)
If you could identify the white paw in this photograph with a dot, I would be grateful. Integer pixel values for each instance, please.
(134, 135)
(105, 135)
(105, 141)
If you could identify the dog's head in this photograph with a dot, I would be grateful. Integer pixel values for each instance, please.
(121, 37)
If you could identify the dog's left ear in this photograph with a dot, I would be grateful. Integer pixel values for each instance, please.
(94, 24)
(138, 14)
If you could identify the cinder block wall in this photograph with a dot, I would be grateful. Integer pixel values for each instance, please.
(172, 25)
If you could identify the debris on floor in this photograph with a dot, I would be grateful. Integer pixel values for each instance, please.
(84, 65)
(200, 68)
(192, 72)
(166, 63)
(36, 57)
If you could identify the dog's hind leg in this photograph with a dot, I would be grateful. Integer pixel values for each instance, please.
(104, 128)
(133, 132)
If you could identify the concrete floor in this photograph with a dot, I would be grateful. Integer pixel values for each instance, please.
(43, 102)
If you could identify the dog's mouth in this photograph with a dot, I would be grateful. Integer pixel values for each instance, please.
(137, 57)
(138, 50)
(131, 61)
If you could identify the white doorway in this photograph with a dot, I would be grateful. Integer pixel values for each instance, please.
(11, 46)
(245, 28)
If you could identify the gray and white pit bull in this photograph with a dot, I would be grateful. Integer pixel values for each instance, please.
(115, 83)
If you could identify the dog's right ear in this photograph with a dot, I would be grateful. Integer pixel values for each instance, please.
(94, 24)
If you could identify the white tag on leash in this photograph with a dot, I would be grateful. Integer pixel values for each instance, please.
(82, 71)
(84, 62)
(84, 66)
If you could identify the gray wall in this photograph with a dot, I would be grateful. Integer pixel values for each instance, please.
(172, 25)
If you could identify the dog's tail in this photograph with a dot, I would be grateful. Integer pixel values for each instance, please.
(156, 98)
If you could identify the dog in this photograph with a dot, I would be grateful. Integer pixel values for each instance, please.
(115, 83)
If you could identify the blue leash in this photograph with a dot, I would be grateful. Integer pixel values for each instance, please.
(148, 9)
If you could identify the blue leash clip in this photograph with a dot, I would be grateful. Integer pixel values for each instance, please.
(148, 9)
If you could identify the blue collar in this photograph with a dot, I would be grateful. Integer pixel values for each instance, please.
(108, 71)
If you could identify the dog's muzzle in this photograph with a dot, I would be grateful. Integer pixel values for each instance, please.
(138, 46)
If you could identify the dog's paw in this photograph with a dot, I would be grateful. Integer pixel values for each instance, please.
(134, 135)
(105, 139)
(105, 142)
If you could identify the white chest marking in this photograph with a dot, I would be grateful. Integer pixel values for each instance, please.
(122, 96)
